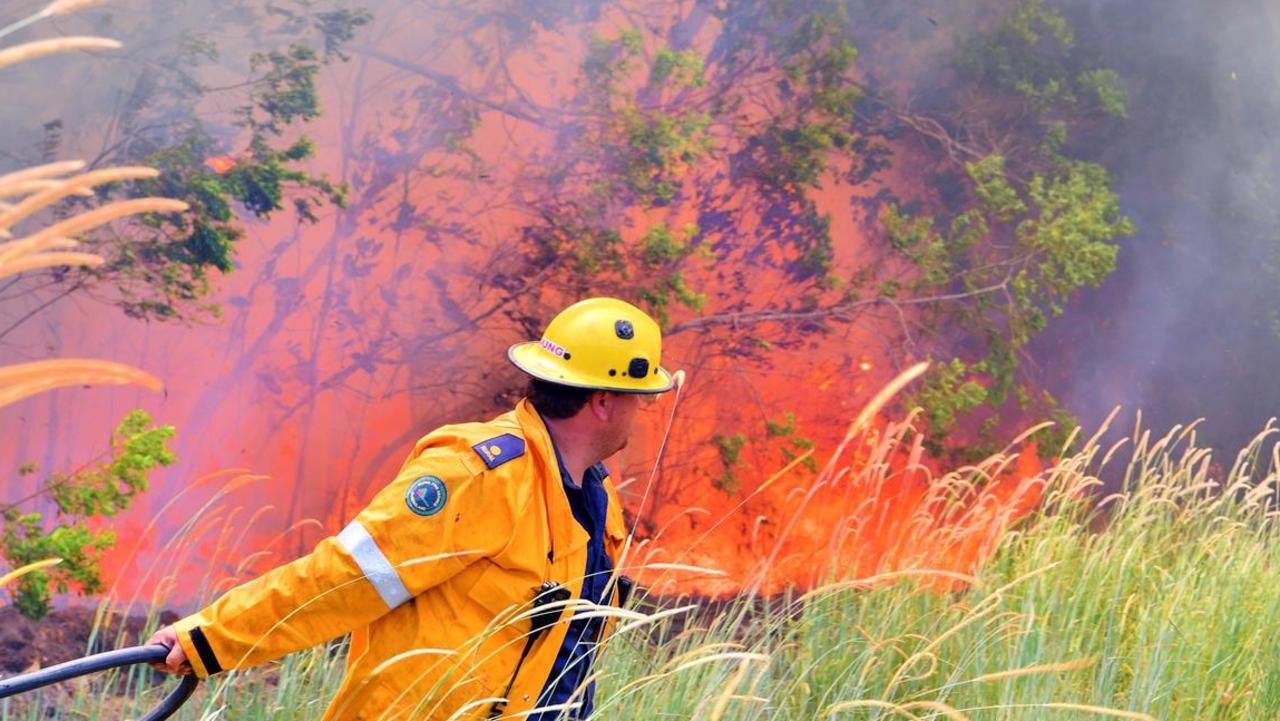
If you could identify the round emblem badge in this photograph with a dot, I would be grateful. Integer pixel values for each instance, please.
(426, 496)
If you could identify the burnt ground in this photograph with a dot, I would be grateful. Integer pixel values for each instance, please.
(63, 635)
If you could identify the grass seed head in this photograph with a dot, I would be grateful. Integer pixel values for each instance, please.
(36, 172)
(40, 48)
(66, 7)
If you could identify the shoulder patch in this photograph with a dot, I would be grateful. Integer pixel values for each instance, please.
(426, 496)
(496, 451)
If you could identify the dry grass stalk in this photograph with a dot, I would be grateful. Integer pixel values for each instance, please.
(937, 707)
(19, 256)
(869, 703)
(62, 189)
(36, 371)
(728, 694)
(889, 576)
(26, 379)
(36, 172)
(27, 187)
(66, 7)
(1100, 710)
(715, 658)
(57, 7)
(683, 567)
(17, 249)
(1034, 670)
(106, 214)
(49, 260)
(40, 48)
(21, 571)
(653, 618)
(878, 402)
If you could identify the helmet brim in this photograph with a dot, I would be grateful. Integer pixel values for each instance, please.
(530, 357)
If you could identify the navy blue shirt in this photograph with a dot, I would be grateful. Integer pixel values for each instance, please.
(589, 503)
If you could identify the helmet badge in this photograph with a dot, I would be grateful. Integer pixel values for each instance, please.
(639, 368)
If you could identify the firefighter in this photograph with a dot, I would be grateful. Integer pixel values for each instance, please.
(488, 532)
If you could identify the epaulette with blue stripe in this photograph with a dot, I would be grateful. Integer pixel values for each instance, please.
(496, 451)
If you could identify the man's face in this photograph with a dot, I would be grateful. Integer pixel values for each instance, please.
(620, 421)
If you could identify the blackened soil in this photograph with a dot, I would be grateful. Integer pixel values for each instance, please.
(64, 634)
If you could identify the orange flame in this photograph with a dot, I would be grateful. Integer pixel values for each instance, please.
(886, 509)
(877, 505)
(220, 164)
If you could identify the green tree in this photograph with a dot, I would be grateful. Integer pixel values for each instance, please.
(165, 268)
(1054, 216)
(1032, 53)
(635, 150)
(1012, 221)
(654, 134)
(158, 268)
(75, 504)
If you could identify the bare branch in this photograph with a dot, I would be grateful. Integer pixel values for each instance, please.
(840, 311)
(934, 130)
(452, 85)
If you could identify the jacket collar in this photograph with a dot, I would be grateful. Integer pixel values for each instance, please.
(567, 536)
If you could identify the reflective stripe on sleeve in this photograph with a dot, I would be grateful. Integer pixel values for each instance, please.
(375, 565)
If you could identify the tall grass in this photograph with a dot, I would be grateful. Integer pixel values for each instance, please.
(1157, 600)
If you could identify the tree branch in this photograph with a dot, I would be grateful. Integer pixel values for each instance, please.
(934, 130)
(451, 84)
(73, 287)
(838, 312)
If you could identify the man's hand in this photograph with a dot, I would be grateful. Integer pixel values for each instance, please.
(176, 661)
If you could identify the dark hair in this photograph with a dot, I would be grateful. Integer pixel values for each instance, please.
(553, 400)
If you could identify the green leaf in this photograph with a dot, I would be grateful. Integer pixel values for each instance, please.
(98, 491)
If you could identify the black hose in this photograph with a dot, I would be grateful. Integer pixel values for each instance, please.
(101, 662)
(174, 700)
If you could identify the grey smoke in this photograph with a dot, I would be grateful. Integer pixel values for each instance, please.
(1186, 327)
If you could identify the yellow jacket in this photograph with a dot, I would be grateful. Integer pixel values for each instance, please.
(475, 521)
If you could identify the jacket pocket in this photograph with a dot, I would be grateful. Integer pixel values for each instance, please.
(501, 593)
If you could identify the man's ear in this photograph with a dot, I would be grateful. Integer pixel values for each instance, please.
(601, 405)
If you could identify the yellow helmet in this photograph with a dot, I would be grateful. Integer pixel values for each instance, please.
(599, 343)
